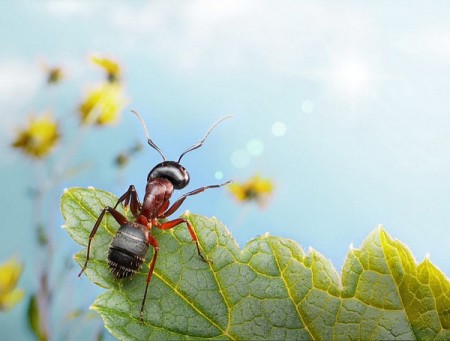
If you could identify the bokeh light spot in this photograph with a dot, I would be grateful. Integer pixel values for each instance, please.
(255, 147)
(351, 77)
(308, 107)
(240, 158)
(218, 175)
(279, 128)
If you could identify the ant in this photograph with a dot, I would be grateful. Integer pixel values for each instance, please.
(133, 238)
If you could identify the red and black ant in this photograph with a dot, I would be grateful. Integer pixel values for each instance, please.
(131, 241)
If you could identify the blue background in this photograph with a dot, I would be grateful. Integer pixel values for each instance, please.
(361, 88)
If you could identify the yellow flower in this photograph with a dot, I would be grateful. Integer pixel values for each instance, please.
(102, 105)
(254, 189)
(39, 138)
(54, 75)
(9, 275)
(124, 157)
(111, 67)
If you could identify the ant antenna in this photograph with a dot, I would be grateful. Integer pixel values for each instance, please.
(149, 140)
(199, 144)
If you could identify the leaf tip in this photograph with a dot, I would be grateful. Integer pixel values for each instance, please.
(380, 232)
(380, 228)
(93, 307)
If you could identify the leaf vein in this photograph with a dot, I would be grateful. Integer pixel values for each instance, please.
(288, 288)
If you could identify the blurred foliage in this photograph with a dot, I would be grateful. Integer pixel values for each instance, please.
(54, 75)
(34, 319)
(112, 68)
(122, 159)
(256, 189)
(10, 295)
(103, 104)
(39, 138)
(42, 236)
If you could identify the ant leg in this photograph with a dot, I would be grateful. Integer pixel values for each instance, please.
(178, 203)
(171, 224)
(152, 241)
(121, 220)
(130, 197)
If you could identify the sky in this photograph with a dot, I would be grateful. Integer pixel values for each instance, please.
(344, 106)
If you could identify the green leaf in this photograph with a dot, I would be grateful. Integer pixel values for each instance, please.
(34, 319)
(271, 289)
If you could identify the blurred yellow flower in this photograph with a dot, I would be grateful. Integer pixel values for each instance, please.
(39, 138)
(103, 105)
(111, 67)
(123, 158)
(54, 75)
(9, 276)
(254, 189)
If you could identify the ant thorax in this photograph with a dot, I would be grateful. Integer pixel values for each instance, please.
(157, 196)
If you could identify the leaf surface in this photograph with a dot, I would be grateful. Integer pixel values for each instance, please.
(270, 289)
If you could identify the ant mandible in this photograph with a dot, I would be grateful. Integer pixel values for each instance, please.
(131, 241)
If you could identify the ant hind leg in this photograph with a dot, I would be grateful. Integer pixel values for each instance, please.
(121, 220)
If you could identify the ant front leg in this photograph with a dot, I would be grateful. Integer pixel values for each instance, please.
(121, 220)
(178, 203)
(172, 223)
(130, 197)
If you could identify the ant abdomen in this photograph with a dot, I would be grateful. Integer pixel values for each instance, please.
(128, 249)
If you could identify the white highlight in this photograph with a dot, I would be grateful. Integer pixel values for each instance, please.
(308, 107)
(351, 77)
(18, 77)
(279, 128)
(255, 147)
(69, 8)
(240, 158)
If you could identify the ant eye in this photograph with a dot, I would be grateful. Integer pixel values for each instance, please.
(172, 171)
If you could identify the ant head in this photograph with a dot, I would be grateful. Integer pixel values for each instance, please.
(172, 171)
